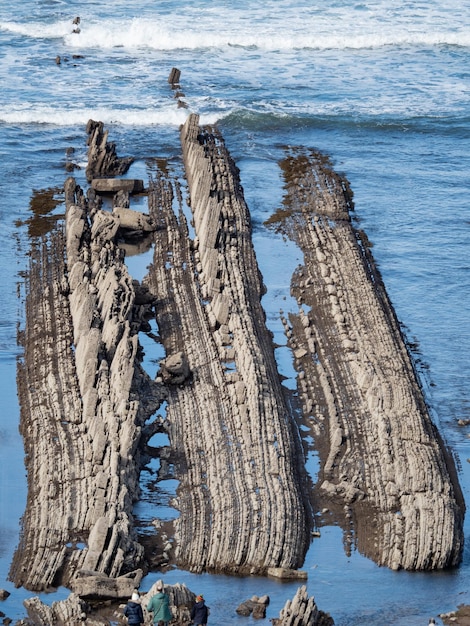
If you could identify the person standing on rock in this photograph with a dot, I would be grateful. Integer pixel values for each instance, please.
(199, 612)
(133, 611)
(159, 605)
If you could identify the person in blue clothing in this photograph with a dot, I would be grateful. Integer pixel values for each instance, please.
(133, 611)
(199, 612)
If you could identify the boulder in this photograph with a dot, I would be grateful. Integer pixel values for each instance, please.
(255, 607)
(128, 219)
(113, 185)
(174, 369)
(92, 584)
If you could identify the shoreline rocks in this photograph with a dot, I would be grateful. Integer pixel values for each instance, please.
(88, 407)
(81, 409)
(235, 443)
(382, 459)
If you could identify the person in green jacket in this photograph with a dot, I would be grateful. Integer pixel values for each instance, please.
(159, 605)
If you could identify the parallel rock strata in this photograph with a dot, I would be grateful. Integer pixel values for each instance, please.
(302, 611)
(85, 400)
(384, 461)
(81, 415)
(102, 158)
(240, 502)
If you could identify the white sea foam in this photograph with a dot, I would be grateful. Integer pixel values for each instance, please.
(35, 30)
(158, 35)
(54, 116)
(276, 32)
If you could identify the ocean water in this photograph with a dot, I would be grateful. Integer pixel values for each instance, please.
(381, 87)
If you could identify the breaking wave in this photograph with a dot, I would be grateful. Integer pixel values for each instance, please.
(162, 34)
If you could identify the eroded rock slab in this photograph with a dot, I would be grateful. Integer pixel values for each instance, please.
(382, 457)
(236, 449)
(81, 412)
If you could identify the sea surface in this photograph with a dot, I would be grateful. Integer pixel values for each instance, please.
(382, 87)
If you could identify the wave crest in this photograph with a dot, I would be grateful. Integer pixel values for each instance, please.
(53, 116)
(161, 34)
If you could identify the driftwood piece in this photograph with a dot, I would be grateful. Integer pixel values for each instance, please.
(302, 611)
(382, 457)
(81, 417)
(236, 450)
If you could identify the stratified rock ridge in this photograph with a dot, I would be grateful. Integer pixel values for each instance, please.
(302, 611)
(102, 158)
(81, 409)
(382, 456)
(243, 502)
(85, 399)
(240, 494)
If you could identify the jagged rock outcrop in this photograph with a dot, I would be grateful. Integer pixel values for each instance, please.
(235, 445)
(102, 158)
(242, 498)
(302, 611)
(382, 457)
(174, 76)
(75, 611)
(81, 416)
(72, 611)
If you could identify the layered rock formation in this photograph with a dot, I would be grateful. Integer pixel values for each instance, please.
(82, 409)
(86, 403)
(75, 611)
(302, 611)
(240, 502)
(382, 456)
(84, 397)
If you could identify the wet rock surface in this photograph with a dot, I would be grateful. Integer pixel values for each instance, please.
(229, 422)
(81, 416)
(382, 457)
(87, 405)
(460, 617)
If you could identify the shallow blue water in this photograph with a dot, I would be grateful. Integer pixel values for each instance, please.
(382, 87)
